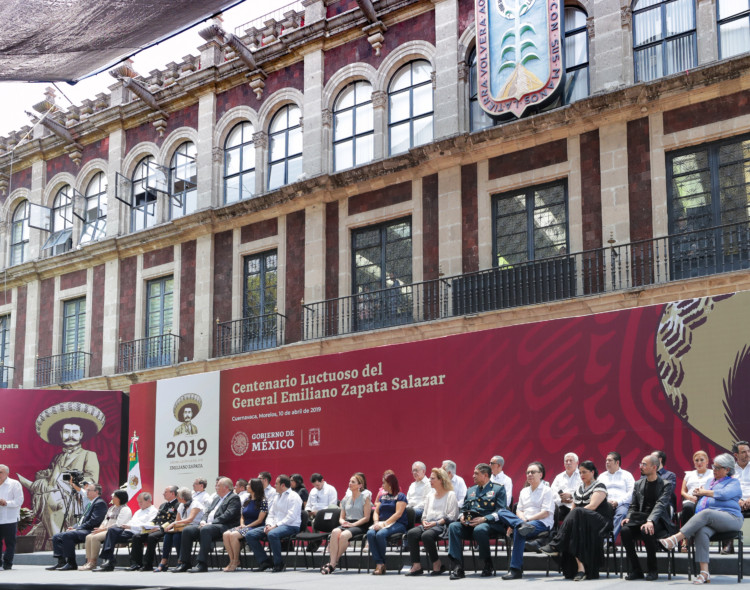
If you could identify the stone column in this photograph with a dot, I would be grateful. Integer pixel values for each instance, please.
(110, 336)
(118, 214)
(315, 250)
(209, 181)
(312, 113)
(612, 46)
(614, 169)
(37, 237)
(705, 21)
(447, 106)
(380, 120)
(204, 296)
(449, 220)
(31, 345)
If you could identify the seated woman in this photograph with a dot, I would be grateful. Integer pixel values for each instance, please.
(117, 515)
(717, 511)
(298, 485)
(254, 511)
(188, 511)
(381, 490)
(578, 542)
(697, 478)
(440, 508)
(356, 509)
(390, 519)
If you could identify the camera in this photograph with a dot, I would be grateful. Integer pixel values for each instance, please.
(74, 477)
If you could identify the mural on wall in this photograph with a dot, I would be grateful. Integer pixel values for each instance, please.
(52, 440)
(629, 381)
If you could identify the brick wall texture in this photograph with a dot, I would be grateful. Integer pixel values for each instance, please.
(128, 270)
(384, 197)
(591, 190)
(332, 250)
(539, 156)
(187, 300)
(20, 330)
(639, 180)
(97, 320)
(259, 230)
(470, 219)
(223, 276)
(295, 273)
(430, 228)
(158, 257)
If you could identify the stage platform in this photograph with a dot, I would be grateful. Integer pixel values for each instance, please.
(28, 573)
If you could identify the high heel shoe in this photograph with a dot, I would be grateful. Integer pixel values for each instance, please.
(702, 578)
(233, 565)
(162, 567)
(669, 543)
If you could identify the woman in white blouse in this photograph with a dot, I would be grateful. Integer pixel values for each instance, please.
(697, 478)
(117, 515)
(440, 508)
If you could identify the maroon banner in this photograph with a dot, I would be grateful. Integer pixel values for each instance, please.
(45, 435)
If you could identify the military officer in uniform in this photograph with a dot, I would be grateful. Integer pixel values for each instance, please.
(484, 510)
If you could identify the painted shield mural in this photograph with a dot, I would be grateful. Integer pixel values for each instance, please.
(519, 55)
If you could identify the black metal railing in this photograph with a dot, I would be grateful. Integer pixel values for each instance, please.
(614, 268)
(6, 376)
(148, 353)
(248, 334)
(62, 368)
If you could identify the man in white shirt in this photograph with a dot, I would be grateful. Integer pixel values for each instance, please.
(619, 488)
(11, 499)
(496, 464)
(199, 491)
(741, 452)
(459, 485)
(240, 488)
(268, 490)
(283, 520)
(565, 484)
(119, 534)
(418, 490)
(322, 495)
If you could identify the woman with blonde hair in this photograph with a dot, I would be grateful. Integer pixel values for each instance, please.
(440, 508)
(697, 478)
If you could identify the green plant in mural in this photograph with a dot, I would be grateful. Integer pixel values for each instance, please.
(517, 49)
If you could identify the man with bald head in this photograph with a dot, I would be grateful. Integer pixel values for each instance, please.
(223, 514)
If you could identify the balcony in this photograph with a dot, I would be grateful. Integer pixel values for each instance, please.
(61, 368)
(249, 334)
(148, 353)
(616, 268)
(6, 376)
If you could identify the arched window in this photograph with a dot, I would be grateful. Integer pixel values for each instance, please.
(184, 176)
(143, 204)
(410, 106)
(663, 38)
(19, 239)
(95, 215)
(576, 55)
(478, 118)
(285, 140)
(239, 163)
(734, 27)
(61, 222)
(353, 130)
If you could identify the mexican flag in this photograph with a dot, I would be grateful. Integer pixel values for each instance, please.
(134, 475)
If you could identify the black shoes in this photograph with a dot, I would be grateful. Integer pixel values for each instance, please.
(488, 570)
(278, 568)
(418, 572)
(526, 529)
(200, 568)
(439, 572)
(135, 567)
(457, 573)
(579, 577)
(550, 550)
(57, 566)
(70, 566)
(634, 576)
(652, 576)
(265, 565)
(183, 567)
(109, 566)
(513, 575)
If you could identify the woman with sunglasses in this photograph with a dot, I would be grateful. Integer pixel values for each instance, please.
(717, 511)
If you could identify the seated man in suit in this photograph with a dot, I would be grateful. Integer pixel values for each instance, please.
(64, 543)
(150, 537)
(223, 514)
(647, 518)
(484, 510)
(145, 514)
(283, 520)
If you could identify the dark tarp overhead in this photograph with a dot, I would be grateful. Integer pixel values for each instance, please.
(66, 40)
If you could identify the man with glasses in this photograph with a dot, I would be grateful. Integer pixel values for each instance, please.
(647, 519)
(619, 489)
(496, 464)
(536, 509)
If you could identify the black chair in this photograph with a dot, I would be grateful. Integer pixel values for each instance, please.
(721, 538)
(325, 521)
(361, 540)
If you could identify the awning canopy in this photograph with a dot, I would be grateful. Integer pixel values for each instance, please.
(66, 40)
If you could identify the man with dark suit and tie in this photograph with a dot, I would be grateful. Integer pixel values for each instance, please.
(221, 515)
(64, 544)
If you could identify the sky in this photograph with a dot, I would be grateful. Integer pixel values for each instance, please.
(17, 97)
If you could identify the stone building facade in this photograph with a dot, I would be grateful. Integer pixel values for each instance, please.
(328, 183)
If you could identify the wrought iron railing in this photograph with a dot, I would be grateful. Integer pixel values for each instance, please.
(147, 353)
(62, 368)
(6, 376)
(614, 268)
(248, 334)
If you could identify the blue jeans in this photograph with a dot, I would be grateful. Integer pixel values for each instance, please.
(519, 543)
(274, 536)
(620, 513)
(377, 540)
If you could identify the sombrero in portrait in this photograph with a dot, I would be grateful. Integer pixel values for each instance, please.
(49, 423)
(187, 400)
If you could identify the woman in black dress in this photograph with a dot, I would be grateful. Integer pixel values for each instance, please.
(578, 542)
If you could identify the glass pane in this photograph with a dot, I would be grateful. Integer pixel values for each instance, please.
(575, 18)
(648, 26)
(576, 52)
(423, 130)
(680, 54)
(510, 226)
(278, 147)
(398, 109)
(346, 98)
(401, 80)
(276, 175)
(295, 141)
(576, 85)
(235, 136)
(364, 149)
(295, 169)
(363, 92)
(342, 154)
(479, 119)
(364, 119)
(232, 161)
(279, 121)
(232, 189)
(422, 72)
(641, 4)
(422, 100)
(248, 185)
(648, 64)
(248, 156)
(735, 37)
(343, 124)
(679, 16)
(294, 115)
(729, 8)
(400, 139)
